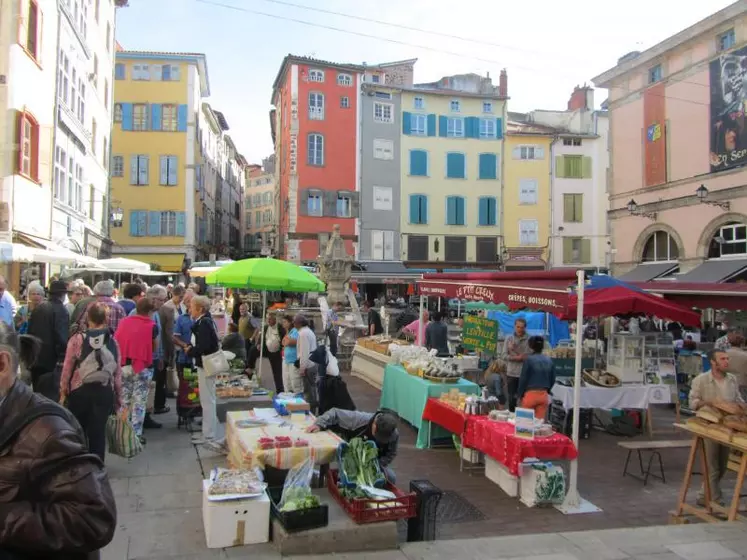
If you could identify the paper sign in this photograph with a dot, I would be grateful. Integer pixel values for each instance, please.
(524, 426)
(480, 333)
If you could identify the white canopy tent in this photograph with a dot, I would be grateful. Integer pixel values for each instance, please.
(16, 252)
(121, 264)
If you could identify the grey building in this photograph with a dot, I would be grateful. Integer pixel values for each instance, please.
(381, 123)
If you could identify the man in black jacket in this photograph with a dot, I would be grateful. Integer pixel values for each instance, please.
(49, 323)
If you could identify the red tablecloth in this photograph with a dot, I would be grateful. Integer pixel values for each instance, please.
(445, 416)
(497, 441)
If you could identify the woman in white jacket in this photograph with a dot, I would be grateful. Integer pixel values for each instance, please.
(306, 368)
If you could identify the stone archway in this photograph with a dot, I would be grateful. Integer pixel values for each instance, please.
(706, 235)
(640, 243)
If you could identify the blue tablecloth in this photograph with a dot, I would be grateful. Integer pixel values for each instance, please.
(407, 394)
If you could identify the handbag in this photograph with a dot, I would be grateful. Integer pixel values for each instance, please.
(121, 437)
(215, 363)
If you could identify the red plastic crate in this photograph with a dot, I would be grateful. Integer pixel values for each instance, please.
(359, 511)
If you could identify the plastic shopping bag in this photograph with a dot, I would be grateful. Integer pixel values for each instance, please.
(297, 488)
(121, 437)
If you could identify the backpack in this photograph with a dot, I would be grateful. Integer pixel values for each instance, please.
(98, 357)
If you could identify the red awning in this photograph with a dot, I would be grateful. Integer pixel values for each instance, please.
(546, 291)
(701, 294)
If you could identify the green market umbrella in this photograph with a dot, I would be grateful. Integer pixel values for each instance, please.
(265, 274)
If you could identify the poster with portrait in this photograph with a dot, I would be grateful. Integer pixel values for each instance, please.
(728, 74)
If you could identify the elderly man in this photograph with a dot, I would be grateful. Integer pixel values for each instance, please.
(49, 323)
(710, 388)
(732, 339)
(102, 293)
(168, 315)
(515, 351)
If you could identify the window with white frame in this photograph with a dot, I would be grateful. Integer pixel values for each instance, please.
(316, 106)
(70, 200)
(487, 106)
(316, 76)
(383, 94)
(383, 149)
(528, 191)
(528, 152)
(344, 206)
(382, 245)
(169, 117)
(78, 204)
(729, 240)
(660, 246)
(418, 103)
(60, 174)
(455, 105)
(345, 80)
(117, 166)
(455, 127)
(382, 198)
(383, 112)
(727, 40)
(141, 72)
(344, 102)
(316, 149)
(168, 223)
(419, 125)
(314, 204)
(528, 232)
(63, 78)
(140, 116)
(487, 128)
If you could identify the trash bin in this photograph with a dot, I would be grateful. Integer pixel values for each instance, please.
(422, 527)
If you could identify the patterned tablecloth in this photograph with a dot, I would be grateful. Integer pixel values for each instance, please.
(497, 441)
(244, 453)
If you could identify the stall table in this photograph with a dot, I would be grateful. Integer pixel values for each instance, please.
(638, 397)
(232, 404)
(498, 441)
(709, 511)
(244, 453)
(408, 394)
(369, 365)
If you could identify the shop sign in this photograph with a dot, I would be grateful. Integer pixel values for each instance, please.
(471, 291)
(530, 300)
(293, 153)
(294, 108)
(480, 333)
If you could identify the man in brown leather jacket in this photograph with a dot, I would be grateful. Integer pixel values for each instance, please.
(55, 497)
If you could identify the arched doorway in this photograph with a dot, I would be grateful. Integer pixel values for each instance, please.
(660, 246)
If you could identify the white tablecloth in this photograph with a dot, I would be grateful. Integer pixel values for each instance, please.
(629, 396)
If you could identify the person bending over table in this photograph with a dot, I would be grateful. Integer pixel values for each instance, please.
(536, 379)
(379, 427)
(710, 388)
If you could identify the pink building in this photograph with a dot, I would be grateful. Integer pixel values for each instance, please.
(678, 142)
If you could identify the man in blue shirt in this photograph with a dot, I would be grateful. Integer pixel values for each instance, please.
(8, 305)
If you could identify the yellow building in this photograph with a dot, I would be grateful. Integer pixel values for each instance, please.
(527, 195)
(451, 151)
(156, 163)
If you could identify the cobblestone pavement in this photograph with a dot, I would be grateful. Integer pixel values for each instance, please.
(159, 500)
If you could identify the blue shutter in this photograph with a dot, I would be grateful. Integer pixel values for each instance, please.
(155, 116)
(431, 125)
(450, 210)
(142, 223)
(126, 116)
(134, 223)
(461, 218)
(472, 127)
(424, 209)
(144, 170)
(492, 211)
(406, 127)
(119, 71)
(181, 224)
(414, 208)
(455, 166)
(181, 115)
(418, 163)
(163, 166)
(173, 177)
(499, 128)
(482, 212)
(443, 125)
(154, 223)
(133, 170)
(488, 166)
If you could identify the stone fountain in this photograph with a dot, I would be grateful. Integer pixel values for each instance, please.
(335, 266)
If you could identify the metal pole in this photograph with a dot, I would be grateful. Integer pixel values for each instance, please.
(572, 498)
(419, 341)
(262, 335)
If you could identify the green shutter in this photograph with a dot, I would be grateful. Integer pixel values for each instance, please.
(578, 207)
(567, 250)
(560, 166)
(586, 167)
(567, 207)
(586, 251)
(406, 123)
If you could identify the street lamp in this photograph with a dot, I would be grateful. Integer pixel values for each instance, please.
(633, 209)
(702, 193)
(117, 215)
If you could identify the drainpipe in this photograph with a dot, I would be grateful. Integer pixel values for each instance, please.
(56, 122)
(551, 237)
(501, 230)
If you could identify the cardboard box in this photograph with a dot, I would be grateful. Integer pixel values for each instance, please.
(235, 522)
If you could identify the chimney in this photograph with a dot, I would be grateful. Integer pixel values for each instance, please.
(503, 84)
(578, 99)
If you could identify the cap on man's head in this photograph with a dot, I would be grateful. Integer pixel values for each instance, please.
(386, 425)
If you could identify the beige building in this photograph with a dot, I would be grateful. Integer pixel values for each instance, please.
(260, 216)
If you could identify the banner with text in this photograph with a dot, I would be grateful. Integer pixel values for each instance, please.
(516, 297)
(728, 74)
(480, 334)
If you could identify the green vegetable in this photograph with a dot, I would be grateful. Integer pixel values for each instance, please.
(360, 462)
(299, 498)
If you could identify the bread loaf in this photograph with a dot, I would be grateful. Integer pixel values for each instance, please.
(710, 414)
(729, 407)
(721, 431)
(736, 423)
(698, 424)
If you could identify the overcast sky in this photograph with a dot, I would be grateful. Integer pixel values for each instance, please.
(546, 46)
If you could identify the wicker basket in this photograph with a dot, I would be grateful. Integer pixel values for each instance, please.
(589, 378)
(442, 379)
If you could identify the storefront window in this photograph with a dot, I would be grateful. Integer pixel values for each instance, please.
(729, 240)
(660, 246)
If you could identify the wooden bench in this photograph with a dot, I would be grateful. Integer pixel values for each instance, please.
(655, 448)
